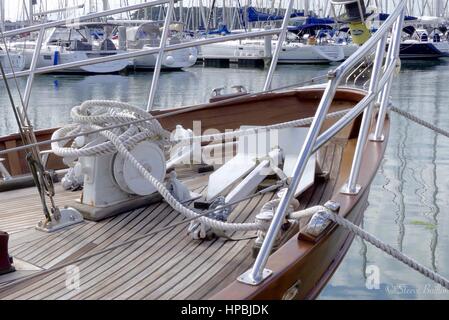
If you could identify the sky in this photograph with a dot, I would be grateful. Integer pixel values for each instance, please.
(13, 7)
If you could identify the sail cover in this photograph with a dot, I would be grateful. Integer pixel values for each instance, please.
(254, 15)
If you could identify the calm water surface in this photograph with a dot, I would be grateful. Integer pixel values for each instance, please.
(409, 199)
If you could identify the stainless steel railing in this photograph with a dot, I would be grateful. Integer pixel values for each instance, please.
(379, 90)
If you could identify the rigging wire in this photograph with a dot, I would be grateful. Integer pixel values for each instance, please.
(12, 67)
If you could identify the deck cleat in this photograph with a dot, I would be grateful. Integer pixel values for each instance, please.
(6, 261)
(199, 231)
(265, 217)
(321, 220)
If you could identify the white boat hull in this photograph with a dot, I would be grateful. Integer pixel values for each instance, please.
(177, 59)
(291, 53)
(299, 53)
(51, 56)
(15, 62)
(349, 49)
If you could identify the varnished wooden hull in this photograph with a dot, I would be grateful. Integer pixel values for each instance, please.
(298, 262)
(262, 109)
(308, 265)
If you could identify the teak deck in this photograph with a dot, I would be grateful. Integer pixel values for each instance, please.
(168, 265)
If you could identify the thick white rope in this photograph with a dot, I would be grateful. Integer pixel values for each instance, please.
(172, 201)
(88, 118)
(365, 235)
(306, 213)
(420, 121)
(250, 131)
(395, 253)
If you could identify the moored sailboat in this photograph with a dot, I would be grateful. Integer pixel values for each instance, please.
(315, 160)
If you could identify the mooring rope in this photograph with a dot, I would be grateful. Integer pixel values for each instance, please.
(420, 121)
(388, 249)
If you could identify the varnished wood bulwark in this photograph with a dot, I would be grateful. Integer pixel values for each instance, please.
(222, 115)
(16, 161)
(170, 265)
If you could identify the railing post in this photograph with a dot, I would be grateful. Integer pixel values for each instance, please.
(393, 55)
(35, 58)
(258, 273)
(160, 56)
(351, 187)
(277, 50)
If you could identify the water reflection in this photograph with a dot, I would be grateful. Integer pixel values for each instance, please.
(54, 95)
(408, 196)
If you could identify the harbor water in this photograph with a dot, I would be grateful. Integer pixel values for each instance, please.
(409, 200)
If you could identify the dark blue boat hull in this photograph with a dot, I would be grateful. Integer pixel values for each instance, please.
(420, 51)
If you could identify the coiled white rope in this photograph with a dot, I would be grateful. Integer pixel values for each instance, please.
(100, 113)
(172, 201)
(91, 116)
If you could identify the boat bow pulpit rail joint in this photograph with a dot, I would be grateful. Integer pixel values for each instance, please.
(380, 84)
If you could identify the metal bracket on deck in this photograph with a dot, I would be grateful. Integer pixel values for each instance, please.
(217, 92)
(351, 191)
(3, 171)
(247, 277)
(240, 89)
(66, 217)
(373, 138)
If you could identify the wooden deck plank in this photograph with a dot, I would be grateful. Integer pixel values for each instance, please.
(162, 277)
(80, 236)
(152, 263)
(91, 269)
(147, 220)
(217, 261)
(167, 265)
(155, 262)
(168, 244)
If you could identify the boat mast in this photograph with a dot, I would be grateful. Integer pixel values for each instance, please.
(2, 15)
(31, 3)
(203, 14)
(306, 7)
(181, 12)
(223, 14)
(106, 5)
(92, 6)
(438, 8)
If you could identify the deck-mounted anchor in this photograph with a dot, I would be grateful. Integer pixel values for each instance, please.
(259, 155)
(55, 218)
